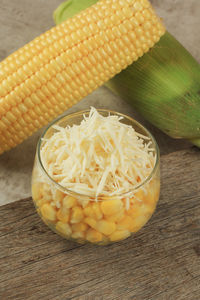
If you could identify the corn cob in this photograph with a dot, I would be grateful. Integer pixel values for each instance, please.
(167, 91)
(59, 68)
(163, 85)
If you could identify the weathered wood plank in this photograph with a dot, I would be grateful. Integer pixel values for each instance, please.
(161, 262)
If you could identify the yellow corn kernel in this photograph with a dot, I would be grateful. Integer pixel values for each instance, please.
(11, 117)
(47, 197)
(79, 227)
(150, 198)
(55, 61)
(147, 209)
(135, 209)
(91, 222)
(105, 227)
(105, 240)
(78, 235)
(58, 196)
(119, 235)
(125, 223)
(83, 203)
(139, 195)
(93, 236)
(46, 192)
(36, 191)
(63, 215)
(138, 223)
(64, 229)
(111, 207)
(48, 212)
(69, 202)
(88, 211)
(97, 211)
(116, 217)
(77, 215)
(40, 202)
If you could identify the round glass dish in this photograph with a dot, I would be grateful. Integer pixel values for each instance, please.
(82, 218)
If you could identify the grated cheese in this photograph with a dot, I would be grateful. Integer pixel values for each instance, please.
(100, 157)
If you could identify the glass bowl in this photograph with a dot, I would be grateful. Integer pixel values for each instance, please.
(82, 218)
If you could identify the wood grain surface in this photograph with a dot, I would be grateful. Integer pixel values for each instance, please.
(161, 262)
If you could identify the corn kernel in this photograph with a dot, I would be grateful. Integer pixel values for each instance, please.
(111, 207)
(22, 108)
(7, 122)
(119, 235)
(105, 227)
(91, 222)
(105, 240)
(64, 229)
(11, 116)
(78, 235)
(63, 214)
(125, 223)
(139, 195)
(69, 202)
(46, 192)
(137, 6)
(48, 212)
(150, 200)
(93, 236)
(135, 209)
(79, 227)
(138, 223)
(77, 215)
(84, 203)
(59, 196)
(147, 209)
(88, 211)
(40, 202)
(36, 191)
(97, 211)
(116, 217)
(2, 125)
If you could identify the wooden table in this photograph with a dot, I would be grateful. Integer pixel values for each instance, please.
(161, 262)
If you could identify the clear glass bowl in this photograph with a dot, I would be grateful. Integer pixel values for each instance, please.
(81, 218)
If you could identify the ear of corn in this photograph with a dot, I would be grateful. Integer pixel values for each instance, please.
(163, 85)
(59, 68)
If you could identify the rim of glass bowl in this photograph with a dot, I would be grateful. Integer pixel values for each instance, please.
(100, 198)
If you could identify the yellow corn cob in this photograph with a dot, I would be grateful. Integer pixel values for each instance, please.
(59, 68)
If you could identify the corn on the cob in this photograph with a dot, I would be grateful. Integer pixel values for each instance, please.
(57, 69)
(163, 85)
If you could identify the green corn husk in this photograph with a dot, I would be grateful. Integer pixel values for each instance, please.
(163, 85)
(70, 8)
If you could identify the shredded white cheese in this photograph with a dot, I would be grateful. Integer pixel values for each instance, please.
(100, 157)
